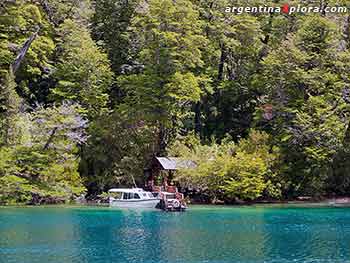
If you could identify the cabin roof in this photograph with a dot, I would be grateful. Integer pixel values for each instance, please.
(174, 163)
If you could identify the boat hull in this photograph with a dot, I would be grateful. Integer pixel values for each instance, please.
(152, 203)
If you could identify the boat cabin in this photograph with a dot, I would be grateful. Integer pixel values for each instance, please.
(129, 194)
(132, 198)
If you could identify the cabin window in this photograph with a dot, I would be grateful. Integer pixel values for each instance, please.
(136, 196)
(116, 195)
(127, 196)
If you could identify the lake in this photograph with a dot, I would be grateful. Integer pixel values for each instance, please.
(203, 234)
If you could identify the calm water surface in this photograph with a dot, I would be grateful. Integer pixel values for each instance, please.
(203, 234)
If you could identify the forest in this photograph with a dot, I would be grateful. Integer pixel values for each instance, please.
(91, 91)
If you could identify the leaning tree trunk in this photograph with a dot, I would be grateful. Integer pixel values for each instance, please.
(22, 53)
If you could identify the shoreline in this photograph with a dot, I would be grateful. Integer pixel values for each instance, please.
(327, 201)
(340, 200)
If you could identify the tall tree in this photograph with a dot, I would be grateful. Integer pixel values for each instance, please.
(83, 71)
(310, 114)
(169, 49)
(111, 21)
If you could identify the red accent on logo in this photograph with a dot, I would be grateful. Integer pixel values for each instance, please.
(285, 8)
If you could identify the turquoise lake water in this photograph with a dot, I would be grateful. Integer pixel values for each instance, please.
(203, 234)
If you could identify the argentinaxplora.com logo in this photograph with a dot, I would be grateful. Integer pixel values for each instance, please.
(286, 9)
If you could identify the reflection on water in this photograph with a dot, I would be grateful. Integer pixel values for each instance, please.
(214, 234)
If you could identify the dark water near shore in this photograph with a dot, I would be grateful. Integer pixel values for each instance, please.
(203, 234)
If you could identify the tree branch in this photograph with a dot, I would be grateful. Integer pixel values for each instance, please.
(49, 141)
(20, 57)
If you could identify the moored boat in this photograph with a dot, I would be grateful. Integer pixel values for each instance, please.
(172, 201)
(132, 198)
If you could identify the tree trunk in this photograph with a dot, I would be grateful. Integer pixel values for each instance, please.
(221, 63)
(47, 9)
(197, 119)
(49, 141)
(161, 140)
(22, 53)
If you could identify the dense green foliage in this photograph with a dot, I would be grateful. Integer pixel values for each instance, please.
(42, 163)
(246, 170)
(91, 91)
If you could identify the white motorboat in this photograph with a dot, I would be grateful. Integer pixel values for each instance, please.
(132, 198)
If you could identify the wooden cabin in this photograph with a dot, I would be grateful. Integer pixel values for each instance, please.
(163, 169)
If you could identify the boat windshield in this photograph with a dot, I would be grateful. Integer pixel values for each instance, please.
(127, 196)
(131, 195)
